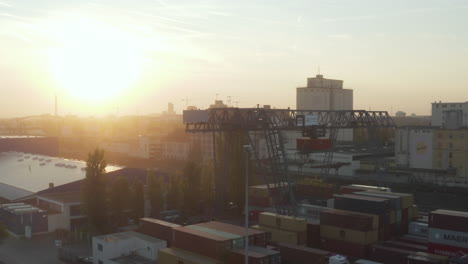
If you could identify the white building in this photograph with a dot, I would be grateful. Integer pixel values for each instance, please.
(413, 147)
(449, 115)
(326, 94)
(115, 248)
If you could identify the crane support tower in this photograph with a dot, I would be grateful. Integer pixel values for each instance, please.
(271, 122)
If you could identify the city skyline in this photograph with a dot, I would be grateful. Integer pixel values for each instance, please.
(394, 55)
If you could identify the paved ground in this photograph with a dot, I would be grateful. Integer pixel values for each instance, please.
(25, 251)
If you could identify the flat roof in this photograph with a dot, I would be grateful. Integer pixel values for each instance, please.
(128, 235)
(33, 172)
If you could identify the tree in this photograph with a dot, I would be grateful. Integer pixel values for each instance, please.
(138, 200)
(155, 193)
(192, 187)
(175, 195)
(94, 191)
(3, 232)
(118, 202)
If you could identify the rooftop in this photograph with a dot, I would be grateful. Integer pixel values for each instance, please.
(128, 235)
(133, 259)
(24, 173)
(66, 198)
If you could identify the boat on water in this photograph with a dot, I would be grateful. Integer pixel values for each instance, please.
(49, 160)
(42, 164)
(20, 160)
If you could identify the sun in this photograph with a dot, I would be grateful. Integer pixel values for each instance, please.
(93, 61)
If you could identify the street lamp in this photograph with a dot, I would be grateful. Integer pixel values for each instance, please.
(247, 150)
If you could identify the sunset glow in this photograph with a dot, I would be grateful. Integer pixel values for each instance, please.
(94, 61)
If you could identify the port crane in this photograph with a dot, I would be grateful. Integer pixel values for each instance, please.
(270, 123)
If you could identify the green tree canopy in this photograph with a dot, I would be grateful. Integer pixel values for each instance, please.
(94, 196)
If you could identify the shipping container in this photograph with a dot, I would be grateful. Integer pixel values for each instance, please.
(442, 259)
(371, 205)
(157, 228)
(317, 191)
(353, 236)
(407, 200)
(451, 220)
(260, 201)
(418, 240)
(395, 200)
(389, 255)
(293, 254)
(201, 242)
(403, 245)
(288, 223)
(458, 261)
(178, 256)
(418, 229)
(448, 237)
(283, 236)
(257, 255)
(313, 234)
(348, 219)
(344, 247)
(256, 237)
(310, 212)
(449, 251)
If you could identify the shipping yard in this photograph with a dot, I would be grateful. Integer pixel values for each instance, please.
(362, 224)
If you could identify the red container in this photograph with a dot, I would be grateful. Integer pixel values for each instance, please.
(344, 247)
(445, 250)
(449, 220)
(389, 255)
(406, 246)
(293, 254)
(347, 219)
(313, 235)
(157, 228)
(203, 243)
(307, 144)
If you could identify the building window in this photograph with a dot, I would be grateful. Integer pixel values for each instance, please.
(100, 247)
(440, 135)
(450, 155)
(450, 145)
(450, 136)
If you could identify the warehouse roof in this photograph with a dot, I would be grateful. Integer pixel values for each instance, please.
(128, 235)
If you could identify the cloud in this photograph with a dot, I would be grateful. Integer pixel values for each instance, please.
(339, 36)
(5, 4)
(349, 18)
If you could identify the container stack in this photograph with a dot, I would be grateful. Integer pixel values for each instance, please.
(283, 229)
(370, 205)
(259, 196)
(448, 233)
(348, 233)
(257, 255)
(157, 228)
(293, 254)
(177, 256)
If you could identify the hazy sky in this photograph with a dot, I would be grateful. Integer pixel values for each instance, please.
(132, 57)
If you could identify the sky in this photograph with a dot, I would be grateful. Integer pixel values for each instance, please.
(124, 57)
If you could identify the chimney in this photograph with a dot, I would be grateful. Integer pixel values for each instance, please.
(51, 185)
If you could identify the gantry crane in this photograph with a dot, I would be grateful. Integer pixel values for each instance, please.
(271, 122)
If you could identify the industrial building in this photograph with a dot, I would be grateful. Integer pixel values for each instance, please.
(126, 247)
(326, 94)
(449, 115)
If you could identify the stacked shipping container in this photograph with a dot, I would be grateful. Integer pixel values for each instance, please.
(448, 233)
(348, 233)
(283, 229)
